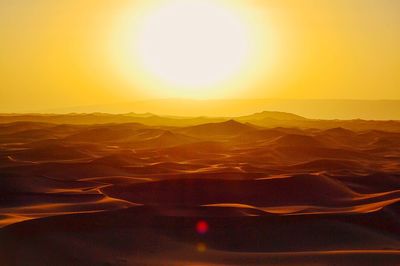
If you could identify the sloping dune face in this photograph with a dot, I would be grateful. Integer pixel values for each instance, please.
(224, 193)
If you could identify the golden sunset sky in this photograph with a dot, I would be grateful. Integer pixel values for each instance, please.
(73, 53)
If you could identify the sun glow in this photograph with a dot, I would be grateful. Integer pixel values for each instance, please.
(192, 44)
(189, 48)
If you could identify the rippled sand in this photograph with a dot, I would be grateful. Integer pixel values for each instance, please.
(130, 194)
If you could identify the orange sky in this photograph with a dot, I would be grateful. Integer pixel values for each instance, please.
(62, 53)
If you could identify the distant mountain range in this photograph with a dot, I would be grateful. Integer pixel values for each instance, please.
(204, 125)
(317, 109)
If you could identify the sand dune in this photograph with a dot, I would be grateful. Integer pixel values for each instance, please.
(296, 141)
(131, 194)
(140, 236)
(229, 128)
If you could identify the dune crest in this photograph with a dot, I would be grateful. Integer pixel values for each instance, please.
(294, 195)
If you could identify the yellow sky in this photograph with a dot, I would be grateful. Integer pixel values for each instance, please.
(68, 52)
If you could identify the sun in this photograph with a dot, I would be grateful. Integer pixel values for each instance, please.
(185, 48)
(192, 44)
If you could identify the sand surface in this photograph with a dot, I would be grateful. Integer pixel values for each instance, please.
(134, 194)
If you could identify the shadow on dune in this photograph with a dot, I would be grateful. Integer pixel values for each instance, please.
(132, 194)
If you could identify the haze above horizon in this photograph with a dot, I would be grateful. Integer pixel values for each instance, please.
(58, 54)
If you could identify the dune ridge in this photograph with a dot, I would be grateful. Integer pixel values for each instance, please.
(270, 195)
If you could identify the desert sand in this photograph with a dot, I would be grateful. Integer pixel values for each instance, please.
(267, 189)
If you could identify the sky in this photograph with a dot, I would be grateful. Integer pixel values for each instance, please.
(74, 53)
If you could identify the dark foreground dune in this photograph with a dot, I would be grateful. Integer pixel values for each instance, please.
(225, 193)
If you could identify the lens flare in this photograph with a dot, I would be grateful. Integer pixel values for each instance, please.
(202, 227)
(201, 247)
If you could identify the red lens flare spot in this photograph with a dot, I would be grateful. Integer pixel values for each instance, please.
(202, 227)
